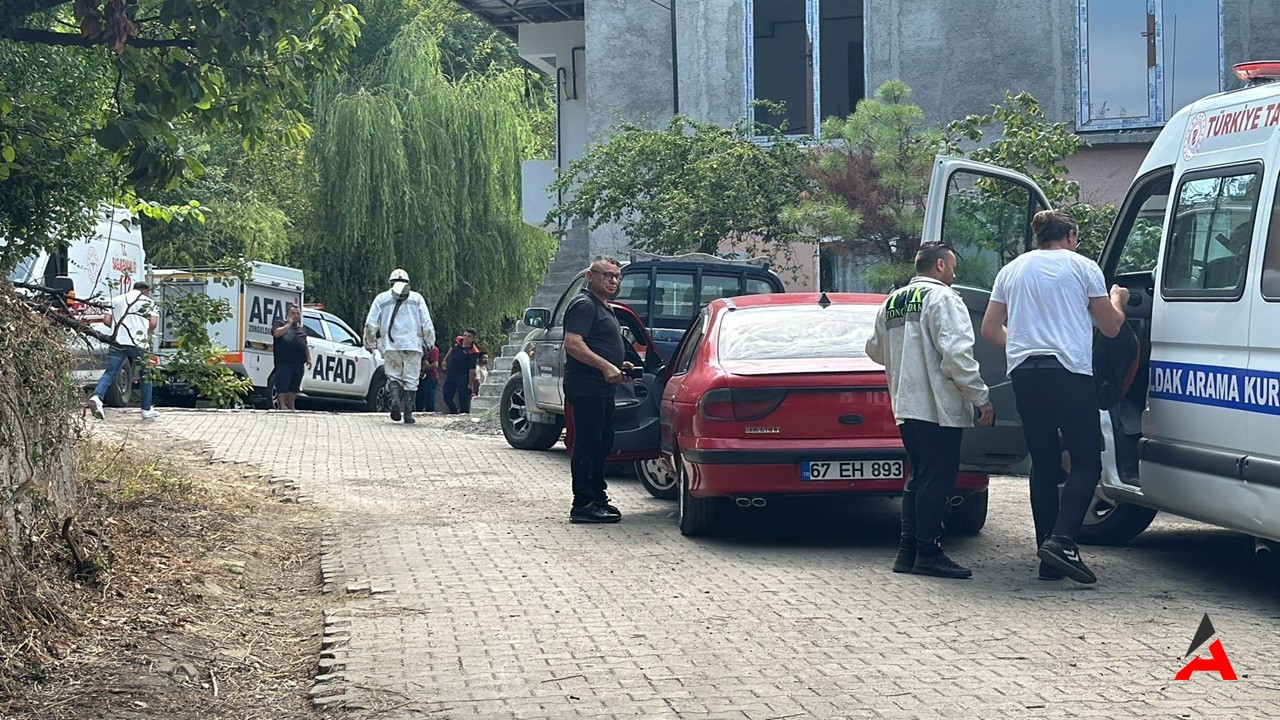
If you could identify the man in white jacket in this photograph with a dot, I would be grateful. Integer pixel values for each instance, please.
(399, 324)
(924, 339)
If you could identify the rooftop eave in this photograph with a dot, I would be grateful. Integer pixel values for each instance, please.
(508, 15)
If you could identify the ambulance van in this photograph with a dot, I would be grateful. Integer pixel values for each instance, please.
(1197, 243)
(96, 267)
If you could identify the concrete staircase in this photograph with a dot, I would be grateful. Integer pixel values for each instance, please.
(571, 257)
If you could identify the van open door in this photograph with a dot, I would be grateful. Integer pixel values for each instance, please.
(985, 212)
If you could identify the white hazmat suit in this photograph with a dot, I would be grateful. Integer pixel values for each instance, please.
(399, 324)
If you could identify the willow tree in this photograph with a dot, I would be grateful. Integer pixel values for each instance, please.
(423, 173)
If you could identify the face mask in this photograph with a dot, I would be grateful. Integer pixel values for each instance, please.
(400, 289)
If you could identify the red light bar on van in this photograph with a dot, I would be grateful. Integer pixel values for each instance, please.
(1258, 72)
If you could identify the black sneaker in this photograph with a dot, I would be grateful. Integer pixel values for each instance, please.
(593, 513)
(906, 559)
(940, 566)
(1063, 555)
(1049, 572)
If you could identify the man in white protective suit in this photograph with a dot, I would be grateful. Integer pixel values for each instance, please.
(399, 325)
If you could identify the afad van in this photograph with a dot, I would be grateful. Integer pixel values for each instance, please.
(96, 267)
(1197, 243)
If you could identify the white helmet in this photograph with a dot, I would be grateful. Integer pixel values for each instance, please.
(398, 275)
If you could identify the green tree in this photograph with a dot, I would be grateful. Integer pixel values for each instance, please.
(95, 96)
(688, 186)
(422, 173)
(871, 178)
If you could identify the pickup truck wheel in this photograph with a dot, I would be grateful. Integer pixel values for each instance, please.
(513, 412)
(969, 516)
(121, 390)
(657, 478)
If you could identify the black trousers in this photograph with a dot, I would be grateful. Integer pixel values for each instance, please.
(457, 394)
(592, 421)
(1053, 401)
(934, 453)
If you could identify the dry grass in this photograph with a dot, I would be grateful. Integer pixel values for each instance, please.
(180, 591)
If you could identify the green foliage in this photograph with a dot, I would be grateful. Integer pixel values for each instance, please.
(689, 186)
(195, 359)
(872, 177)
(97, 100)
(1028, 143)
(423, 173)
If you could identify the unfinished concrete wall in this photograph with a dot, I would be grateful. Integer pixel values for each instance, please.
(630, 78)
(959, 57)
(711, 49)
(1249, 33)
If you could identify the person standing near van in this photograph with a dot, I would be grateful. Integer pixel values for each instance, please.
(291, 354)
(429, 380)
(924, 339)
(133, 316)
(400, 323)
(1043, 308)
(594, 366)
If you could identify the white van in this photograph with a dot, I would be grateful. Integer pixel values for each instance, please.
(98, 266)
(1197, 243)
(341, 368)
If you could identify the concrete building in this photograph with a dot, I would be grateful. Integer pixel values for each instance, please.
(1114, 69)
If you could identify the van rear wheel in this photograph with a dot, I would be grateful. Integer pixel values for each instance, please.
(121, 389)
(1108, 522)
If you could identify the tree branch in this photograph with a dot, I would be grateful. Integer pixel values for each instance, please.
(45, 37)
(15, 10)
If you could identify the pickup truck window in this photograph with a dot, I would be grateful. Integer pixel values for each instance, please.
(674, 295)
(715, 287)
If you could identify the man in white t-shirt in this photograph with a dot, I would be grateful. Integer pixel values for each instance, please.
(1043, 309)
(132, 318)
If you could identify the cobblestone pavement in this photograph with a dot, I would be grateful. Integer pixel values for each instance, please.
(460, 590)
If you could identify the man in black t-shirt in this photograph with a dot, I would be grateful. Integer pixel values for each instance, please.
(291, 353)
(594, 364)
(457, 367)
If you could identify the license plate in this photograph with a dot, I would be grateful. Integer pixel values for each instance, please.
(852, 470)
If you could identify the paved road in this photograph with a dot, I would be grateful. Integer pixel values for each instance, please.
(461, 591)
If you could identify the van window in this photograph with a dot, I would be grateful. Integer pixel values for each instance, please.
(634, 291)
(1271, 261)
(1211, 233)
(1140, 228)
(341, 335)
(715, 287)
(673, 295)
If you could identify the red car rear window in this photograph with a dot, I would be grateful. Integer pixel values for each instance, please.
(796, 332)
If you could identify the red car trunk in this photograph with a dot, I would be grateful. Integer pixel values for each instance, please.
(771, 400)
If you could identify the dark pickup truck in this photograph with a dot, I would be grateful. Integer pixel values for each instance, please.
(657, 301)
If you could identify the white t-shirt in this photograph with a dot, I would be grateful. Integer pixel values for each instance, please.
(1047, 293)
(132, 311)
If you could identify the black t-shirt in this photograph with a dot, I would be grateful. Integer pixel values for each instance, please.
(461, 361)
(292, 346)
(595, 322)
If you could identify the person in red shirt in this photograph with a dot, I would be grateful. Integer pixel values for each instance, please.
(430, 380)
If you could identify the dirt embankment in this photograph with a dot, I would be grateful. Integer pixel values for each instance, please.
(188, 591)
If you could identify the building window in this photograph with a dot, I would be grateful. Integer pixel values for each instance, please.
(1141, 61)
(806, 56)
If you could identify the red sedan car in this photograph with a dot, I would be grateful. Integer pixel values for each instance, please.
(774, 395)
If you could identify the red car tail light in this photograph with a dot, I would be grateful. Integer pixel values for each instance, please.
(740, 405)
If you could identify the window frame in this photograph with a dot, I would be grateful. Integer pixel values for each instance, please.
(813, 31)
(331, 323)
(1171, 217)
(1272, 239)
(697, 334)
(1155, 75)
